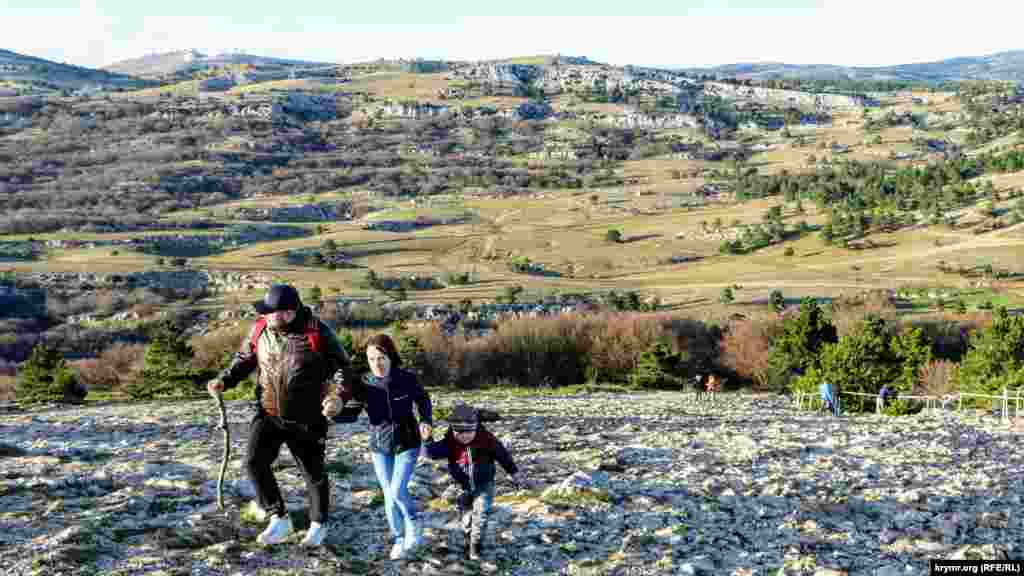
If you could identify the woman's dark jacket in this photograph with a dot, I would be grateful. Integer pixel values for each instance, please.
(389, 406)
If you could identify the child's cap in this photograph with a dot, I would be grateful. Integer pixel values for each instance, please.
(463, 418)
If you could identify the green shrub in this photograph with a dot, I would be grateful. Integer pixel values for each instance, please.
(168, 371)
(995, 357)
(46, 377)
(796, 350)
(727, 296)
(867, 359)
(659, 367)
(901, 407)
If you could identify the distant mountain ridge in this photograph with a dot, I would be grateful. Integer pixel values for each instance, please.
(1007, 66)
(34, 72)
(182, 61)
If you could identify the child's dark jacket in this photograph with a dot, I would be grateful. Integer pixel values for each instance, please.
(473, 464)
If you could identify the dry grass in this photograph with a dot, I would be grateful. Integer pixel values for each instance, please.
(185, 88)
(277, 85)
(565, 231)
(401, 86)
(8, 385)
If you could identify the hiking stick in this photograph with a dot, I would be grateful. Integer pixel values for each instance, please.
(226, 454)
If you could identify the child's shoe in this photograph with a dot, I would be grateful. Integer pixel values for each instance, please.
(280, 527)
(315, 535)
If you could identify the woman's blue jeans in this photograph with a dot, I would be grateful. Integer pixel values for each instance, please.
(393, 474)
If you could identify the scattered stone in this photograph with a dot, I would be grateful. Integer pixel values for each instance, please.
(649, 483)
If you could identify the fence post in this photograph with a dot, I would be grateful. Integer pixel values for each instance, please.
(1006, 405)
(960, 402)
(878, 405)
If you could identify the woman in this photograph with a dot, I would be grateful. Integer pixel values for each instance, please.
(388, 393)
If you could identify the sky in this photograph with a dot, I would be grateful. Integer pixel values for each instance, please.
(668, 33)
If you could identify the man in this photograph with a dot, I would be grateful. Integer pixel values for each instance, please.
(297, 356)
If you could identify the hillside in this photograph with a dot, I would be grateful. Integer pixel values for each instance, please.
(169, 64)
(648, 496)
(21, 74)
(1000, 66)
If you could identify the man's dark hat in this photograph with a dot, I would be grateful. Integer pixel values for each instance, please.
(463, 418)
(279, 297)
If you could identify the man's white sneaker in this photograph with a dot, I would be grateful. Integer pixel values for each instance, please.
(398, 550)
(280, 527)
(315, 535)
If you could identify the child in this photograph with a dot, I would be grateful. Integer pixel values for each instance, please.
(472, 451)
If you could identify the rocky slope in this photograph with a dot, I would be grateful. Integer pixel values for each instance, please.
(29, 70)
(637, 484)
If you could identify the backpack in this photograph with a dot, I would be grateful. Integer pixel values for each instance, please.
(312, 334)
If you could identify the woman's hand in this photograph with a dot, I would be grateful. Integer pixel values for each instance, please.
(426, 431)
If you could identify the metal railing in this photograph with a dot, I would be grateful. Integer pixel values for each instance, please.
(933, 403)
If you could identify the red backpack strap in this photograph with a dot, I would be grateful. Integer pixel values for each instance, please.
(261, 325)
(313, 335)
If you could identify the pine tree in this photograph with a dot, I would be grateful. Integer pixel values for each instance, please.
(796, 350)
(658, 367)
(45, 377)
(996, 356)
(167, 370)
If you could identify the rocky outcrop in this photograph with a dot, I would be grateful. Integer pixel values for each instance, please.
(304, 213)
(178, 281)
(777, 97)
(414, 110)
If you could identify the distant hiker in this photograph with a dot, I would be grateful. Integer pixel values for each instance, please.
(714, 385)
(389, 394)
(471, 451)
(829, 397)
(297, 356)
(886, 395)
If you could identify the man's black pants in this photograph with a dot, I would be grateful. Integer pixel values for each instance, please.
(307, 445)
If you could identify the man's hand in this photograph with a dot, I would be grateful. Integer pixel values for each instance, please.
(331, 407)
(426, 431)
(464, 500)
(215, 387)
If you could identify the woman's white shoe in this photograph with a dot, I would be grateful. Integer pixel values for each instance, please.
(398, 550)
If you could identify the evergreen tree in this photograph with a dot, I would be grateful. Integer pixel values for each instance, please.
(995, 357)
(46, 377)
(778, 301)
(659, 367)
(167, 370)
(796, 350)
(865, 360)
